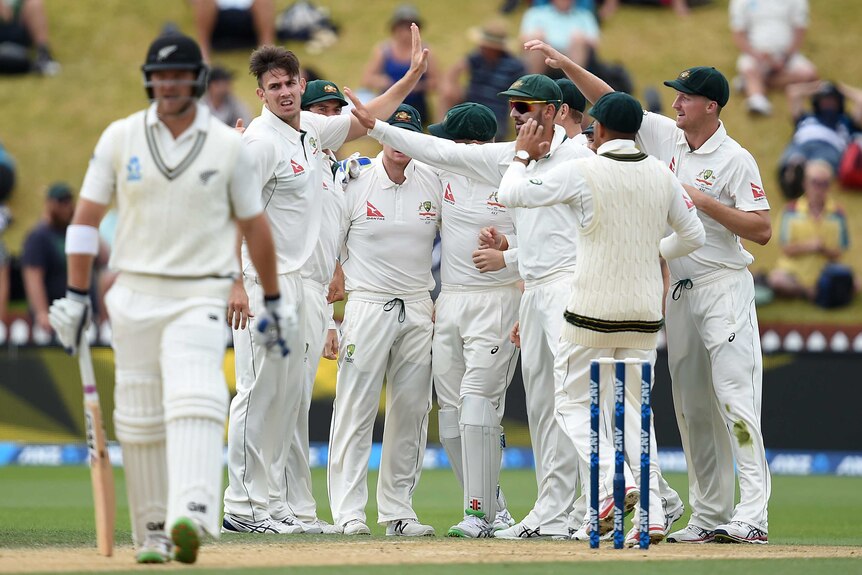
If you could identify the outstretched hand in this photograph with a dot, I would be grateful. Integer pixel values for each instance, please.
(418, 54)
(531, 137)
(553, 57)
(366, 118)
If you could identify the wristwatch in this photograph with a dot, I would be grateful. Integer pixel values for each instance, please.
(523, 155)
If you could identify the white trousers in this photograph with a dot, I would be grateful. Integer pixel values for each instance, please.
(573, 412)
(300, 499)
(716, 369)
(541, 315)
(263, 413)
(380, 337)
(170, 406)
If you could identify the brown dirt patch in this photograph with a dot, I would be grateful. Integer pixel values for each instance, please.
(281, 552)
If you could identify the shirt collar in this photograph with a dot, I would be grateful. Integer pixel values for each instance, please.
(623, 146)
(712, 143)
(200, 123)
(279, 125)
(383, 177)
(559, 137)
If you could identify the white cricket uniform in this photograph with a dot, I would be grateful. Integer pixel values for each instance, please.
(389, 232)
(611, 290)
(712, 335)
(174, 251)
(545, 258)
(316, 275)
(264, 413)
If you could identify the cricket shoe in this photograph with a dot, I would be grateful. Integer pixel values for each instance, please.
(234, 524)
(606, 508)
(673, 515)
(503, 519)
(691, 534)
(656, 535)
(186, 536)
(157, 548)
(293, 526)
(355, 527)
(472, 527)
(408, 528)
(521, 531)
(320, 527)
(740, 532)
(582, 533)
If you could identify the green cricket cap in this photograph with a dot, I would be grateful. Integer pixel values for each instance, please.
(59, 191)
(321, 91)
(703, 81)
(571, 95)
(618, 111)
(467, 121)
(406, 117)
(535, 87)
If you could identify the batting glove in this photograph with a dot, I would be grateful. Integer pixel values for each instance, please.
(279, 324)
(70, 316)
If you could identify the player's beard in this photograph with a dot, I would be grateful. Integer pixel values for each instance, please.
(187, 107)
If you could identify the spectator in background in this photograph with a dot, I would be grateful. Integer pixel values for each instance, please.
(491, 69)
(7, 184)
(221, 100)
(823, 133)
(232, 24)
(390, 60)
(24, 24)
(681, 7)
(43, 260)
(769, 33)
(813, 235)
(563, 24)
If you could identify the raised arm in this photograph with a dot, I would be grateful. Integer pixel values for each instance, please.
(386, 103)
(590, 85)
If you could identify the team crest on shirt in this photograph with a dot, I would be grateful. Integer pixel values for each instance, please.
(297, 168)
(133, 169)
(705, 180)
(349, 356)
(206, 175)
(312, 141)
(494, 206)
(448, 197)
(372, 213)
(427, 211)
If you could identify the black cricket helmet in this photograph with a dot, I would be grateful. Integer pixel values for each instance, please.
(175, 51)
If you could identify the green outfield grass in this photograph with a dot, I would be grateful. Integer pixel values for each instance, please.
(43, 508)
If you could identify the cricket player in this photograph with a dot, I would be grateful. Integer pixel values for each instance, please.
(625, 201)
(474, 360)
(179, 177)
(287, 146)
(571, 113)
(545, 259)
(714, 358)
(392, 212)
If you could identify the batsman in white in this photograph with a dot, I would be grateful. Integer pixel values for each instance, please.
(712, 335)
(545, 259)
(287, 146)
(180, 178)
(389, 225)
(624, 201)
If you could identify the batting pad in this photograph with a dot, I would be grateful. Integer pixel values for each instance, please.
(450, 438)
(480, 440)
(140, 427)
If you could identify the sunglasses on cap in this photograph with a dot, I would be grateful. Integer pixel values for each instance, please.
(524, 106)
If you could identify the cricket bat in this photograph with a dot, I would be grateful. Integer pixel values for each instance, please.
(101, 473)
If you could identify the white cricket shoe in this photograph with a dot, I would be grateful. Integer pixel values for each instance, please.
(521, 531)
(503, 519)
(672, 515)
(656, 535)
(472, 527)
(234, 524)
(157, 548)
(740, 532)
(408, 528)
(691, 534)
(356, 527)
(320, 527)
(582, 533)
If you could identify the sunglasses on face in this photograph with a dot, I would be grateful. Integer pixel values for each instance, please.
(524, 106)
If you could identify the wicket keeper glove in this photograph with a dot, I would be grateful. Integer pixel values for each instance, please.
(70, 316)
(279, 324)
